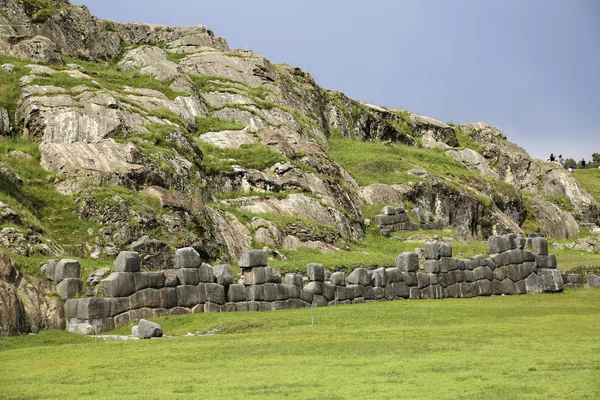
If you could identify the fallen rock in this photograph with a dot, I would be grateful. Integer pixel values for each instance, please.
(39, 49)
(148, 329)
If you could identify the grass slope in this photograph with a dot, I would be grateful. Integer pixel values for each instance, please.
(527, 347)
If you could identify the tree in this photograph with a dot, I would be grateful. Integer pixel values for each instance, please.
(570, 163)
(596, 158)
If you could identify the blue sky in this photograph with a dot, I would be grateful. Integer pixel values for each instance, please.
(530, 67)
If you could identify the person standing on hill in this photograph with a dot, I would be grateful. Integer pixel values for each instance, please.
(561, 160)
(582, 163)
(552, 157)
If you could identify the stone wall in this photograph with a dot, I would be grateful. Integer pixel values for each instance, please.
(194, 287)
(395, 219)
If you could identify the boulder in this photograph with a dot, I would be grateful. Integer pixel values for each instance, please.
(407, 262)
(69, 288)
(39, 49)
(379, 193)
(539, 246)
(359, 276)
(315, 272)
(593, 280)
(473, 161)
(555, 222)
(187, 257)
(148, 329)
(223, 274)
(66, 268)
(253, 258)
(127, 261)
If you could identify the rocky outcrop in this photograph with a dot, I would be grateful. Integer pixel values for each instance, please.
(474, 161)
(25, 303)
(556, 223)
(379, 193)
(39, 49)
(5, 127)
(432, 132)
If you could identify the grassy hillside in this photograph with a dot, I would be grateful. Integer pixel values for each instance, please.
(527, 347)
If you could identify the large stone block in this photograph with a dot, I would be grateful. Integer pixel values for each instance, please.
(380, 277)
(142, 313)
(495, 245)
(140, 280)
(500, 273)
(156, 280)
(433, 279)
(269, 292)
(205, 273)
(513, 272)
(69, 288)
(496, 287)
(483, 287)
(422, 280)
(593, 281)
(515, 256)
(452, 291)
(293, 291)
(445, 249)
(71, 308)
(136, 300)
(188, 276)
(148, 329)
(385, 220)
(368, 293)
(315, 287)
(410, 278)
(415, 293)
(253, 258)
(355, 291)
(187, 296)
(533, 284)
(498, 260)
(539, 246)
(127, 261)
(215, 293)
(521, 242)
(359, 276)
(528, 256)
(509, 241)
(468, 276)
(280, 305)
(341, 293)
(281, 292)
(168, 297)
(401, 290)
(254, 276)
(255, 293)
(490, 263)
(93, 308)
(171, 279)
(389, 210)
(466, 290)
(450, 278)
(508, 287)
(151, 298)
(50, 269)
(119, 305)
(187, 257)
(66, 268)
(407, 262)
(482, 273)
(223, 274)
(329, 291)
(551, 280)
(319, 301)
(293, 279)
(272, 275)
(306, 296)
(479, 260)
(338, 279)
(315, 272)
(526, 269)
(432, 251)
(236, 293)
(394, 275)
(118, 284)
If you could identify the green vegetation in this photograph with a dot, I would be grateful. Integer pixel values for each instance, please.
(10, 89)
(590, 180)
(176, 57)
(61, 79)
(465, 140)
(40, 10)
(254, 156)
(108, 27)
(530, 347)
(210, 124)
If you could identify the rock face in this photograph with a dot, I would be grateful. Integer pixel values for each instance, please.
(473, 160)
(24, 302)
(4, 122)
(556, 223)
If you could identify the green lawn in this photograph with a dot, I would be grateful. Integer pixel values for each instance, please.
(542, 347)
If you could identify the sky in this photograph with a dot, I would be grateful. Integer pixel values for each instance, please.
(529, 67)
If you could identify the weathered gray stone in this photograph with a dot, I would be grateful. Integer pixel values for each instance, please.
(136, 300)
(223, 274)
(269, 292)
(338, 279)
(50, 270)
(468, 276)
(509, 241)
(148, 329)
(255, 293)
(215, 293)
(533, 284)
(293, 291)
(187, 257)
(521, 242)
(254, 276)
(482, 273)
(498, 259)
(253, 258)
(354, 291)
(490, 263)
(483, 287)
(515, 256)
(385, 220)
(187, 296)
(521, 287)
(449, 264)
(151, 298)
(528, 256)
(466, 290)
(280, 305)
(156, 280)
(407, 262)
(236, 293)
(410, 278)
(242, 306)
(359, 276)
(281, 292)
(551, 280)
(368, 293)
(319, 301)
(415, 293)
(272, 275)
(508, 287)
(394, 275)
(188, 276)
(452, 291)
(118, 284)
(205, 273)
(432, 266)
(513, 272)
(66, 268)
(69, 288)
(341, 293)
(389, 210)
(593, 280)
(140, 280)
(171, 279)
(545, 261)
(315, 272)
(527, 269)
(329, 291)
(315, 287)
(380, 277)
(432, 251)
(445, 249)
(495, 245)
(293, 279)
(539, 246)
(93, 308)
(71, 308)
(127, 261)
(496, 287)
(500, 273)
(306, 296)
(450, 278)
(119, 305)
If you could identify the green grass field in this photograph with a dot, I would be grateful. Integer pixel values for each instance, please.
(526, 347)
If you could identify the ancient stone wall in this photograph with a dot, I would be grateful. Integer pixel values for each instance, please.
(395, 219)
(194, 287)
